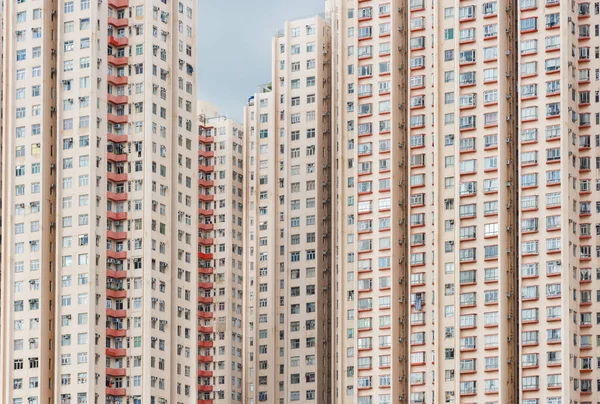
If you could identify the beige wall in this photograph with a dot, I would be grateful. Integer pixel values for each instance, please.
(227, 239)
(288, 222)
(370, 264)
(425, 140)
(100, 281)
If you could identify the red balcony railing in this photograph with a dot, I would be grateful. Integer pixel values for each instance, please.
(118, 255)
(206, 198)
(117, 138)
(118, 61)
(116, 235)
(205, 299)
(110, 391)
(117, 99)
(115, 372)
(118, 22)
(205, 256)
(118, 3)
(116, 294)
(119, 158)
(116, 352)
(205, 314)
(116, 215)
(116, 80)
(116, 333)
(123, 41)
(116, 313)
(118, 119)
(116, 274)
(113, 196)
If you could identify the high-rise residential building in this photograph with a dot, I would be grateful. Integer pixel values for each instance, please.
(558, 193)
(370, 291)
(206, 197)
(405, 215)
(463, 204)
(287, 244)
(426, 232)
(221, 230)
(99, 153)
(492, 304)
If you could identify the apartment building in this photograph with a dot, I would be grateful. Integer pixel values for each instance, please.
(370, 291)
(221, 226)
(98, 236)
(558, 76)
(462, 129)
(288, 222)
(425, 144)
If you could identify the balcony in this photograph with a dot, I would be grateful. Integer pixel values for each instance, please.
(205, 285)
(116, 138)
(206, 198)
(116, 294)
(117, 177)
(118, 22)
(116, 80)
(206, 241)
(123, 41)
(206, 183)
(202, 358)
(206, 226)
(116, 215)
(110, 391)
(205, 299)
(204, 373)
(115, 61)
(116, 313)
(118, 3)
(205, 314)
(118, 119)
(117, 99)
(207, 169)
(117, 158)
(113, 196)
(206, 271)
(205, 388)
(205, 256)
(116, 333)
(116, 274)
(205, 344)
(116, 352)
(205, 330)
(206, 139)
(206, 153)
(118, 255)
(116, 235)
(115, 372)
(206, 212)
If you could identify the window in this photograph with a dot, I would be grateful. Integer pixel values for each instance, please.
(529, 47)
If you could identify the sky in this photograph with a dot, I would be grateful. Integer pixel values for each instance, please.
(234, 46)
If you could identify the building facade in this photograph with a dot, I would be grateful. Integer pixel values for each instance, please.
(221, 226)
(479, 98)
(370, 261)
(406, 215)
(99, 150)
(288, 222)
(558, 120)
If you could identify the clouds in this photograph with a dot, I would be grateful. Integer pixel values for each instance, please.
(234, 46)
